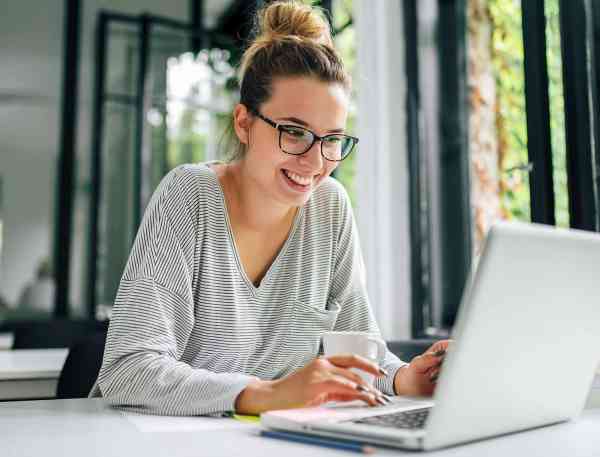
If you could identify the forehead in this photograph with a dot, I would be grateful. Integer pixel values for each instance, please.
(320, 104)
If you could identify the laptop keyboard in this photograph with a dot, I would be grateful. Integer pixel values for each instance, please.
(413, 419)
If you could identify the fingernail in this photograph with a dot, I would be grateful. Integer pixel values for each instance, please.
(377, 392)
(387, 397)
(374, 390)
(383, 372)
(361, 388)
(439, 353)
(382, 401)
(434, 378)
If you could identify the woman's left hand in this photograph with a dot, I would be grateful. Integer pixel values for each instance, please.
(419, 378)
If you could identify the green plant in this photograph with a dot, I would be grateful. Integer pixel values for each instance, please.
(507, 51)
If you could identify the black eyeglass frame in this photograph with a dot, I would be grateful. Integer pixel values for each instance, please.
(280, 127)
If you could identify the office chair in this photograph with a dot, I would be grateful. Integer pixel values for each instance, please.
(54, 333)
(81, 367)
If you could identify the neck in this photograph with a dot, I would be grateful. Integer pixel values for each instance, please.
(247, 204)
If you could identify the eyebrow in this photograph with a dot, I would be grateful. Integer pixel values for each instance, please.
(295, 120)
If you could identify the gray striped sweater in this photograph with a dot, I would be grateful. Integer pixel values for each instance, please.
(189, 330)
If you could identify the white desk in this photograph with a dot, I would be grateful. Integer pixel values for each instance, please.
(30, 373)
(72, 428)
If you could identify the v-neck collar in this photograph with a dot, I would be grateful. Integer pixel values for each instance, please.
(255, 290)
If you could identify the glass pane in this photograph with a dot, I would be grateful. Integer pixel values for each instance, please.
(122, 51)
(198, 105)
(557, 112)
(191, 101)
(116, 199)
(511, 120)
(345, 42)
(187, 107)
(116, 224)
(165, 42)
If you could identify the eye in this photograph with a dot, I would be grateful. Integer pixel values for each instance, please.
(295, 132)
(333, 139)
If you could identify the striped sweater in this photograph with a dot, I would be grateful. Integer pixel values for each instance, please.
(189, 330)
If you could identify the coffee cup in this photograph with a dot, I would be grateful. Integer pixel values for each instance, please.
(359, 343)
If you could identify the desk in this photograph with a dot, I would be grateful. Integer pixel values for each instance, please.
(72, 428)
(30, 373)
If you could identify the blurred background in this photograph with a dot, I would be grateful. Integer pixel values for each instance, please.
(469, 111)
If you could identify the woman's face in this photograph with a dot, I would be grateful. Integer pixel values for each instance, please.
(318, 106)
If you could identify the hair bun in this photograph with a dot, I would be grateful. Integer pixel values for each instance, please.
(282, 19)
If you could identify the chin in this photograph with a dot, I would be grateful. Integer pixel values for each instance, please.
(295, 200)
(294, 194)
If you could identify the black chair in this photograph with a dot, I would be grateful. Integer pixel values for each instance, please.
(81, 367)
(54, 333)
(407, 349)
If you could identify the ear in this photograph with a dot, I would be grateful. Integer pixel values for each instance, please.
(242, 119)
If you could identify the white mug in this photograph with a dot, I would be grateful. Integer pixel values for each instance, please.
(359, 343)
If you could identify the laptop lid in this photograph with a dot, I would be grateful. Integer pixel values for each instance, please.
(527, 336)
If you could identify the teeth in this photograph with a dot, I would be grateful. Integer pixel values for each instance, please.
(302, 180)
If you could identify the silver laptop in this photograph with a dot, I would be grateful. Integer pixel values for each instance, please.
(527, 344)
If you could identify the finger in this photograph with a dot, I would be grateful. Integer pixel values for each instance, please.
(371, 400)
(353, 376)
(356, 361)
(434, 373)
(379, 397)
(441, 345)
(366, 393)
(324, 398)
(336, 386)
(438, 365)
(426, 361)
(348, 374)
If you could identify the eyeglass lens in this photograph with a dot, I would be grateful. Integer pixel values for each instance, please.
(295, 140)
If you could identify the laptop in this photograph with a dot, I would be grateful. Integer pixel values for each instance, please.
(527, 344)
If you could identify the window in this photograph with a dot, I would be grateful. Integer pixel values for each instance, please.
(519, 75)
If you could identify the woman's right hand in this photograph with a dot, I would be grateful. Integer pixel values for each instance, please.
(322, 380)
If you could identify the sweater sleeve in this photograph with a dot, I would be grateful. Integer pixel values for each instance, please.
(349, 291)
(153, 317)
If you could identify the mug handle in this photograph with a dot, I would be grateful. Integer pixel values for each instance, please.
(381, 347)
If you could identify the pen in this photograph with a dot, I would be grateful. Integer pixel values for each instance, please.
(319, 441)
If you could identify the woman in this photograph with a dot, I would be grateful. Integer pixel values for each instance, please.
(240, 267)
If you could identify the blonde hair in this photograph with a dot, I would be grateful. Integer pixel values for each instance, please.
(290, 39)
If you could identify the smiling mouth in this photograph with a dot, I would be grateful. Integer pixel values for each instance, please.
(299, 180)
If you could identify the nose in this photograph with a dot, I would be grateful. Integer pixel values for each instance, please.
(313, 158)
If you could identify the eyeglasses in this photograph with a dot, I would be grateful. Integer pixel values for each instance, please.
(297, 140)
